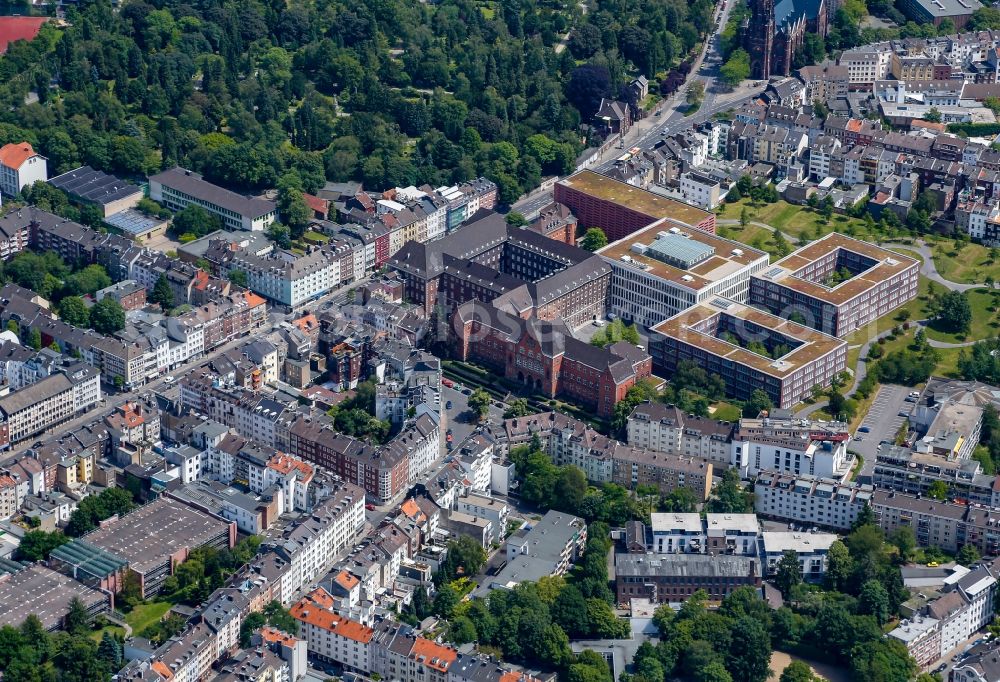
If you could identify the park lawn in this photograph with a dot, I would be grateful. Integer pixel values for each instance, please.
(984, 322)
(315, 236)
(887, 322)
(970, 264)
(144, 615)
(752, 235)
(797, 222)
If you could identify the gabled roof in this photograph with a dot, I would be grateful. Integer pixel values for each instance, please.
(14, 155)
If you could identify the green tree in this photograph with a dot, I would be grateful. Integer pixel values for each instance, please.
(933, 115)
(874, 601)
(594, 239)
(280, 235)
(35, 339)
(788, 573)
(239, 278)
(968, 555)
(938, 490)
(194, 220)
(954, 314)
(750, 652)
(518, 407)
(797, 671)
(77, 620)
(729, 496)
(736, 69)
(110, 650)
(840, 567)
(72, 310)
(479, 403)
(445, 601)
(904, 540)
(107, 316)
(759, 402)
(37, 544)
(162, 293)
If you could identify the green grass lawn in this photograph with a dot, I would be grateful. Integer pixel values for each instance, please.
(315, 236)
(798, 222)
(115, 630)
(907, 252)
(727, 412)
(985, 323)
(887, 322)
(144, 615)
(970, 263)
(752, 235)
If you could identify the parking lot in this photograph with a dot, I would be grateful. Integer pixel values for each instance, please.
(880, 424)
(459, 418)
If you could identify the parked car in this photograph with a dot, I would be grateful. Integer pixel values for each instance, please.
(448, 382)
(370, 507)
(864, 429)
(447, 405)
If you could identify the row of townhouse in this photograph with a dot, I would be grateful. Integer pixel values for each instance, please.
(56, 398)
(604, 460)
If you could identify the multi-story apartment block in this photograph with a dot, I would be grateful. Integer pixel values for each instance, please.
(665, 428)
(866, 65)
(792, 446)
(661, 270)
(811, 282)
(20, 166)
(809, 501)
(906, 470)
(820, 155)
(14, 233)
(701, 190)
(566, 440)
(311, 546)
(330, 637)
(717, 334)
(54, 399)
(811, 548)
(922, 637)
(286, 278)
(483, 507)
(633, 467)
(549, 547)
(934, 523)
(621, 209)
(178, 188)
(546, 357)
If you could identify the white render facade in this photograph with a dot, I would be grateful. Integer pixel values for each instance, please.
(809, 500)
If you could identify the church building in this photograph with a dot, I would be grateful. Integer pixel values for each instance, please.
(775, 30)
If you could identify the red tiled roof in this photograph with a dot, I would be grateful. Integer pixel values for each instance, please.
(18, 28)
(316, 204)
(14, 155)
(433, 655)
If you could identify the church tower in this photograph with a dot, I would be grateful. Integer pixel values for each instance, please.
(759, 34)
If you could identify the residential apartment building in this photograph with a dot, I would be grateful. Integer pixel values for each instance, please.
(792, 446)
(866, 65)
(809, 500)
(659, 271)
(665, 428)
(714, 335)
(20, 166)
(812, 550)
(880, 281)
(549, 547)
(48, 402)
(178, 188)
(566, 440)
(311, 546)
(633, 467)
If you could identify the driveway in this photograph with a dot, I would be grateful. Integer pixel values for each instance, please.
(882, 422)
